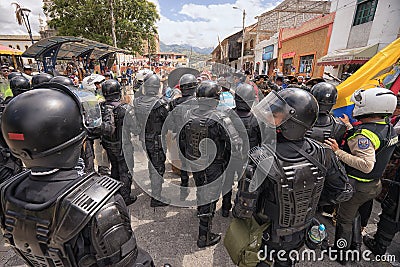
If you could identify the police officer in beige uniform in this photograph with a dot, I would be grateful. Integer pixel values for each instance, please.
(366, 153)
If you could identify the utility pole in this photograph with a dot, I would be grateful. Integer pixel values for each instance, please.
(114, 37)
(243, 35)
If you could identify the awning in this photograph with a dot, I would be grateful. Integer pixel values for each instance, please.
(358, 55)
(4, 50)
(70, 46)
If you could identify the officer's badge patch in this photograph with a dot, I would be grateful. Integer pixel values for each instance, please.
(363, 143)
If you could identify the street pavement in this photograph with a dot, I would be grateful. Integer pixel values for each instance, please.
(169, 233)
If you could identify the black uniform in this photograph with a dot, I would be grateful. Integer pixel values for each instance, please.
(178, 108)
(53, 214)
(101, 232)
(327, 126)
(286, 195)
(113, 113)
(207, 122)
(389, 219)
(151, 112)
(249, 131)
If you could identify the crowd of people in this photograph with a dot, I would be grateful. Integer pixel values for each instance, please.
(291, 156)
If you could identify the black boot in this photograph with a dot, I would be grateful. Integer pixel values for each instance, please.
(103, 170)
(206, 237)
(184, 193)
(208, 240)
(130, 200)
(342, 243)
(374, 246)
(154, 203)
(357, 237)
(157, 200)
(226, 204)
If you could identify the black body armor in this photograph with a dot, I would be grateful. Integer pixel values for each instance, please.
(151, 112)
(286, 194)
(207, 124)
(326, 127)
(112, 135)
(83, 224)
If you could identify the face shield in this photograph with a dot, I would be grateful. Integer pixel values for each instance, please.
(91, 109)
(273, 110)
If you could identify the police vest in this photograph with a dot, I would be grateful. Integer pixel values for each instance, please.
(384, 140)
(40, 233)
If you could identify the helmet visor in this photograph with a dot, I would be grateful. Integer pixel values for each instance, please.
(273, 110)
(91, 109)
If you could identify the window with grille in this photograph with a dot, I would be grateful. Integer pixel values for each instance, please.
(306, 64)
(365, 11)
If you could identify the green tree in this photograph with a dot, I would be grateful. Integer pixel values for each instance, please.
(134, 21)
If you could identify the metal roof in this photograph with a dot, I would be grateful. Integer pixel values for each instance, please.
(70, 46)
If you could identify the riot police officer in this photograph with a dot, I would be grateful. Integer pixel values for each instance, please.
(365, 154)
(327, 126)
(206, 122)
(151, 110)
(178, 108)
(54, 214)
(286, 195)
(113, 113)
(250, 134)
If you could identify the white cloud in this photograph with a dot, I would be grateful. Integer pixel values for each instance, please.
(196, 24)
(206, 22)
(8, 21)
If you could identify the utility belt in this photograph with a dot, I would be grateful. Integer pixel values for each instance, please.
(362, 180)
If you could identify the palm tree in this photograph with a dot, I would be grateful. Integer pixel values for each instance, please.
(21, 14)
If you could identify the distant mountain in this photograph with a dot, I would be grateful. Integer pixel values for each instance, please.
(195, 54)
(185, 47)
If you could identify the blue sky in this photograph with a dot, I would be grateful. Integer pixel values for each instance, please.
(195, 22)
(201, 22)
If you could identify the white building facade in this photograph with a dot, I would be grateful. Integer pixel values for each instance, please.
(265, 53)
(361, 28)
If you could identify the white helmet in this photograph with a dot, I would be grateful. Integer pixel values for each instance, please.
(140, 76)
(373, 101)
(88, 83)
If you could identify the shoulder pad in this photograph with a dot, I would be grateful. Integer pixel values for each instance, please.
(82, 202)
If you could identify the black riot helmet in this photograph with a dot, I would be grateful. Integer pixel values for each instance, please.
(44, 127)
(62, 80)
(19, 84)
(111, 89)
(326, 95)
(188, 84)
(244, 96)
(292, 112)
(151, 85)
(41, 78)
(208, 89)
(13, 74)
(208, 93)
